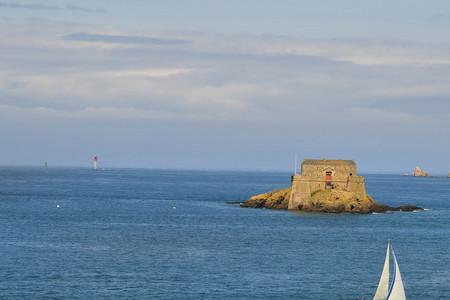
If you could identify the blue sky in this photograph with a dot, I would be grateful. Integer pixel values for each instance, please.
(225, 84)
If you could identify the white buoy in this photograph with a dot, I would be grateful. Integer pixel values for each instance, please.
(57, 205)
(94, 161)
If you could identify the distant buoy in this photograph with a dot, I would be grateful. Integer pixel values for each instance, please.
(174, 207)
(95, 161)
(57, 205)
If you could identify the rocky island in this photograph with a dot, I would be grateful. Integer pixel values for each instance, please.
(328, 186)
(418, 172)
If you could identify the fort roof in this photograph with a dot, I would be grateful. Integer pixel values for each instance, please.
(328, 162)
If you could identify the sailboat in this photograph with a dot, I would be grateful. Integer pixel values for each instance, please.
(394, 290)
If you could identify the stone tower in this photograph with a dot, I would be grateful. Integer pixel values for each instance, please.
(325, 174)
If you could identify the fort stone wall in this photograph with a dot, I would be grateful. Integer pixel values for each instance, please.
(318, 175)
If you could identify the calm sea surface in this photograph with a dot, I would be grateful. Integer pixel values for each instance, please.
(149, 234)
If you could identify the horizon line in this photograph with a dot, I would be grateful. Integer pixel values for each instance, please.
(364, 172)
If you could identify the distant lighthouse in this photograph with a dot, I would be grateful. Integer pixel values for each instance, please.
(94, 161)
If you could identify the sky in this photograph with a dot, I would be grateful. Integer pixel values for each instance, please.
(235, 85)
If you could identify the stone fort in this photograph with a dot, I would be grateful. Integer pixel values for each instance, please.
(324, 174)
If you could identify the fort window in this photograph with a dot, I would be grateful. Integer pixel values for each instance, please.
(328, 180)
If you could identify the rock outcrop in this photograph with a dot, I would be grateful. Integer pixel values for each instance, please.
(325, 201)
(277, 199)
(418, 172)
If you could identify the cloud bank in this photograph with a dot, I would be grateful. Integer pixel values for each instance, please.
(219, 76)
(123, 39)
(292, 91)
(42, 6)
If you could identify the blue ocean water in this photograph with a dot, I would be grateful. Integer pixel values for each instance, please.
(152, 234)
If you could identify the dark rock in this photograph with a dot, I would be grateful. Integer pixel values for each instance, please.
(408, 208)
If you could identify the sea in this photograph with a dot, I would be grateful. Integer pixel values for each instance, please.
(76, 233)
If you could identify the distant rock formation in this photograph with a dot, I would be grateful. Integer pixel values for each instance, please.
(418, 172)
(328, 186)
(448, 175)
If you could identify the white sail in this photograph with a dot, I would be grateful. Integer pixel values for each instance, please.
(397, 291)
(383, 286)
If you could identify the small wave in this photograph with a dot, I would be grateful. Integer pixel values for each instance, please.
(96, 248)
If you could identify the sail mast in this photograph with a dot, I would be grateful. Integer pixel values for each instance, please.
(295, 164)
